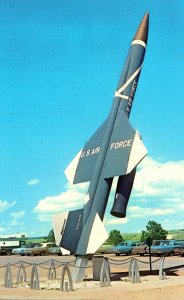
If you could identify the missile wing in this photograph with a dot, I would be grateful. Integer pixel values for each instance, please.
(124, 152)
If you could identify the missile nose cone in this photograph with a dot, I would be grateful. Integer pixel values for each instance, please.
(142, 32)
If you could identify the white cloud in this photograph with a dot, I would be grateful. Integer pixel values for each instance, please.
(181, 206)
(161, 185)
(163, 179)
(180, 225)
(16, 222)
(4, 205)
(73, 198)
(139, 212)
(117, 221)
(158, 191)
(173, 223)
(3, 229)
(34, 181)
(17, 214)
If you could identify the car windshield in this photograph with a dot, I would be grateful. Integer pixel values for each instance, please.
(122, 244)
(39, 245)
(165, 243)
(30, 246)
(157, 243)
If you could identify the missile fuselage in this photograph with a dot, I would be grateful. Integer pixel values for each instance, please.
(99, 188)
(114, 150)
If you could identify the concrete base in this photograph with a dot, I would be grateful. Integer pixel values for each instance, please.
(79, 272)
(97, 266)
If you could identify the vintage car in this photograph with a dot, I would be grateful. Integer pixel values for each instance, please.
(21, 250)
(55, 250)
(165, 247)
(140, 249)
(180, 249)
(124, 248)
(40, 249)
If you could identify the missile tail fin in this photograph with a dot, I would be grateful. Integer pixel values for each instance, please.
(67, 229)
(72, 235)
(98, 235)
(93, 239)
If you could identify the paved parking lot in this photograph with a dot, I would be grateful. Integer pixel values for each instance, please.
(149, 288)
(118, 263)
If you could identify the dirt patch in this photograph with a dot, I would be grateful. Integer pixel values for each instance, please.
(150, 288)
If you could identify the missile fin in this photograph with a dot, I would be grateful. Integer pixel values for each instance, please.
(91, 240)
(78, 169)
(58, 222)
(138, 152)
(98, 235)
(125, 149)
(67, 229)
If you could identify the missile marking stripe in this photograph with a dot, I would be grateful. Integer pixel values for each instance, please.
(124, 86)
(139, 42)
(121, 96)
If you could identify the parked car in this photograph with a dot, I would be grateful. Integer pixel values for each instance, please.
(21, 250)
(40, 249)
(180, 248)
(140, 249)
(104, 249)
(165, 247)
(124, 248)
(55, 250)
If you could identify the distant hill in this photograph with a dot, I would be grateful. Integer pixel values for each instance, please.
(132, 236)
(172, 234)
(176, 234)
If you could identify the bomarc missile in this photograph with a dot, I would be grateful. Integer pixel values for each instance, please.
(115, 149)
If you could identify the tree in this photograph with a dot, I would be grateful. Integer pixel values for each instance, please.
(154, 231)
(51, 237)
(115, 237)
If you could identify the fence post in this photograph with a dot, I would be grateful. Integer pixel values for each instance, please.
(134, 274)
(52, 270)
(130, 268)
(137, 274)
(64, 284)
(105, 274)
(34, 284)
(21, 277)
(8, 277)
(161, 269)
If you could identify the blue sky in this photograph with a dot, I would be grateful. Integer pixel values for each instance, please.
(60, 62)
